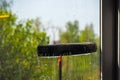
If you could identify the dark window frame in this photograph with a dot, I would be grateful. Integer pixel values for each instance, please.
(109, 39)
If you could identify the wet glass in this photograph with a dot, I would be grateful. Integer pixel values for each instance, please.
(71, 66)
(48, 68)
(77, 67)
(19, 38)
(81, 67)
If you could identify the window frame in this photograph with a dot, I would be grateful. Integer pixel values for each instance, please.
(109, 39)
(119, 39)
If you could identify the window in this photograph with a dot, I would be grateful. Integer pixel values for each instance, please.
(25, 26)
(48, 21)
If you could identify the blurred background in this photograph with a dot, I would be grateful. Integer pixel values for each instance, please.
(25, 24)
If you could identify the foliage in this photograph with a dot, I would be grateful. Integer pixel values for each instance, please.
(18, 57)
(71, 35)
(82, 67)
(87, 35)
(74, 35)
(18, 44)
(5, 5)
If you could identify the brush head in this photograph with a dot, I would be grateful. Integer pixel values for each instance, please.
(66, 49)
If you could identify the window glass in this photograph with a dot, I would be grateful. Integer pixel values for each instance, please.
(26, 24)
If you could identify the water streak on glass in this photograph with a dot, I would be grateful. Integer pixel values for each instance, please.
(77, 67)
(48, 68)
(41, 22)
(82, 67)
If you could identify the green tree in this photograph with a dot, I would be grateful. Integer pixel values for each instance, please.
(5, 4)
(87, 35)
(37, 23)
(84, 65)
(71, 35)
(18, 47)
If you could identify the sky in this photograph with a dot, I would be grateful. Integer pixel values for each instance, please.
(56, 13)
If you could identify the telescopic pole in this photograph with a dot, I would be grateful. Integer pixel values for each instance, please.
(60, 67)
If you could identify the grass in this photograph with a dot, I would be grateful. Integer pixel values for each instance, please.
(82, 67)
